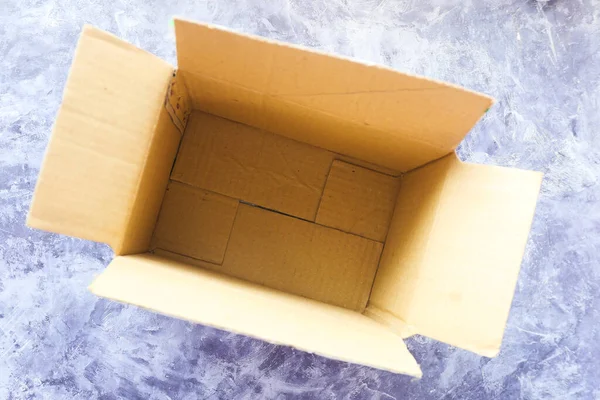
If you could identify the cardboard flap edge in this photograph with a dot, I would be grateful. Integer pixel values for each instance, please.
(273, 85)
(83, 158)
(453, 280)
(208, 298)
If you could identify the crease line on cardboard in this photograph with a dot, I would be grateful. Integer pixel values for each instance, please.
(132, 203)
(283, 99)
(391, 320)
(163, 251)
(372, 167)
(453, 151)
(424, 89)
(366, 303)
(336, 56)
(237, 212)
(273, 210)
(323, 192)
(268, 86)
(303, 219)
(297, 175)
(194, 187)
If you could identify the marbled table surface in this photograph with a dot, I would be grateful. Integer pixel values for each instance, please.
(539, 59)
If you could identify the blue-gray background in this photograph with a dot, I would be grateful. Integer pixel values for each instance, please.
(539, 59)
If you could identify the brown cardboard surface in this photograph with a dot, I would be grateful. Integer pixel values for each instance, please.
(151, 189)
(358, 200)
(258, 167)
(369, 112)
(454, 249)
(186, 260)
(178, 103)
(101, 139)
(201, 296)
(195, 222)
(456, 236)
(301, 258)
(367, 165)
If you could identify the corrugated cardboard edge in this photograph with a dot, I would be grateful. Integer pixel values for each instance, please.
(177, 102)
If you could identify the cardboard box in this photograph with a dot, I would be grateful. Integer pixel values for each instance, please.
(311, 200)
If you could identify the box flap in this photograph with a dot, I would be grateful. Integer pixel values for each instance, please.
(365, 111)
(198, 295)
(101, 139)
(453, 252)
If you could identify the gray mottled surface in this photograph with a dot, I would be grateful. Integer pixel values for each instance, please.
(541, 60)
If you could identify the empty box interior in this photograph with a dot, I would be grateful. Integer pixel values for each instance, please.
(286, 194)
(277, 212)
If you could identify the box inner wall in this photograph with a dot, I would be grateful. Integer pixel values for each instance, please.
(270, 210)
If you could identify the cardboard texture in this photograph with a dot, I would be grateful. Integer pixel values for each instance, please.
(358, 200)
(177, 102)
(252, 165)
(212, 299)
(301, 258)
(195, 222)
(329, 102)
(151, 189)
(454, 249)
(186, 260)
(97, 154)
(367, 165)
(314, 201)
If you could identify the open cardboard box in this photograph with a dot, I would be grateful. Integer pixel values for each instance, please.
(311, 200)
